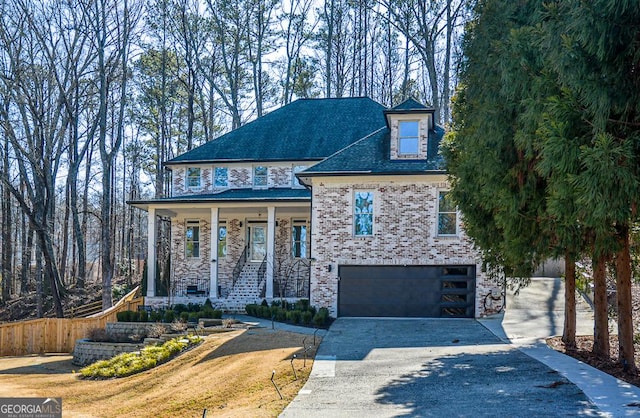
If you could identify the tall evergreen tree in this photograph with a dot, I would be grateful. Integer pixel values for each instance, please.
(544, 150)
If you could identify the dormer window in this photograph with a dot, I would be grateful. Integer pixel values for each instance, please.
(408, 137)
(260, 176)
(194, 179)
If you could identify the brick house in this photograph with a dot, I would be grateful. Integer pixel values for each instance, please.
(341, 201)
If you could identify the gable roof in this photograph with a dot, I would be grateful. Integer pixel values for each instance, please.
(410, 104)
(307, 129)
(370, 156)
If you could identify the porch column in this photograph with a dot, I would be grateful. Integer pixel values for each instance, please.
(271, 238)
(151, 252)
(213, 282)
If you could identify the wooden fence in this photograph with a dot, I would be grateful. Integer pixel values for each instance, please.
(58, 335)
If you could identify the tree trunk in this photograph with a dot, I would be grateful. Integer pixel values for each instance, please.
(51, 270)
(625, 306)
(601, 317)
(569, 332)
(7, 238)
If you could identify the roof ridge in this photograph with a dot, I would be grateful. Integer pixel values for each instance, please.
(354, 143)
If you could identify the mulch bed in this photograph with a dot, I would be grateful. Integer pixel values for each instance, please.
(582, 352)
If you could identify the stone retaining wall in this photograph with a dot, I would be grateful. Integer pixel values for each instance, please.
(87, 352)
(123, 330)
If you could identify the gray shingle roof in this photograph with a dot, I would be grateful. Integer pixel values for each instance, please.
(410, 104)
(326, 126)
(235, 195)
(371, 156)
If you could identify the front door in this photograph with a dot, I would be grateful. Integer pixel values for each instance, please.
(257, 242)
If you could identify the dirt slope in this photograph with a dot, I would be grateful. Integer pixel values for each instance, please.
(228, 374)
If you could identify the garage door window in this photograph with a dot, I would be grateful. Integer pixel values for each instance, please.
(363, 214)
(447, 215)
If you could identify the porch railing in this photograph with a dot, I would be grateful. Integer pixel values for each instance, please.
(239, 265)
(296, 283)
(191, 286)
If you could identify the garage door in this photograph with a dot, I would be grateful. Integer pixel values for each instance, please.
(407, 291)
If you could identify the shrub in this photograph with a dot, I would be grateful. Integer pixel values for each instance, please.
(307, 316)
(264, 303)
(156, 331)
(135, 316)
(156, 316)
(265, 312)
(274, 311)
(303, 304)
(194, 307)
(194, 316)
(207, 303)
(178, 308)
(296, 316)
(169, 316)
(217, 314)
(320, 318)
(184, 316)
(124, 316)
(281, 314)
(252, 309)
(144, 316)
(126, 364)
(178, 326)
(98, 335)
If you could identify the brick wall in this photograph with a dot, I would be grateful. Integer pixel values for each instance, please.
(404, 232)
(239, 176)
(192, 267)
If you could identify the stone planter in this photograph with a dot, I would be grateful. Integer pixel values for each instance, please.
(87, 352)
(123, 330)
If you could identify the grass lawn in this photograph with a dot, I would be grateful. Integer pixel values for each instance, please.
(228, 374)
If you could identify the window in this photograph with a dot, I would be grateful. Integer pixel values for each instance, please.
(192, 239)
(447, 215)
(408, 137)
(222, 240)
(299, 239)
(296, 169)
(221, 177)
(193, 177)
(259, 175)
(363, 213)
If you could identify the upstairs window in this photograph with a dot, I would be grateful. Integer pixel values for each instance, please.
(260, 176)
(194, 179)
(408, 138)
(447, 215)
(222, 239)
(299, 239)
(221, 177)
(192, 239)
(363, 214)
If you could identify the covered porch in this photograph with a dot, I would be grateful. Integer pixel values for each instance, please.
(232, 253)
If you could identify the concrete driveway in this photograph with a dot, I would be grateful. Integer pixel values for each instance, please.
(430, 367)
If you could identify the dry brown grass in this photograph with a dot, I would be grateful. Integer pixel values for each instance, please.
(228, 374)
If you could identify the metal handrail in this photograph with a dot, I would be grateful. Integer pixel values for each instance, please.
(240, 265)
(262, 274)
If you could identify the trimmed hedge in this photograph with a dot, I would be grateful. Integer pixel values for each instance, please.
(296, 313)
(185, 313)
